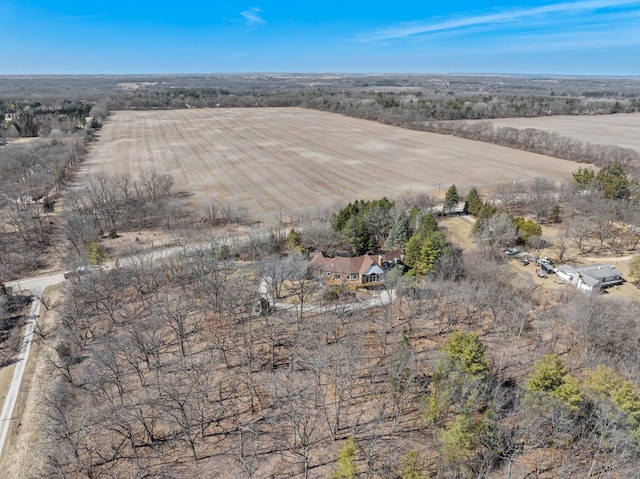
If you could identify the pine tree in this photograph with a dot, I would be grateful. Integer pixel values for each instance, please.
(472, 198)
(451, 199)
(95, 254)
(622, 393)
(411, 467)
(293, 241)
(466, 352)
(613, 181)
(346, 467)
(431, 248)
(583, 177)
(400, 233)
(551, 377)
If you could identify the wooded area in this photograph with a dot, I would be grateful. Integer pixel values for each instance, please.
(180, 366)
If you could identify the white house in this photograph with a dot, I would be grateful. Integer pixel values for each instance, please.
(591, 278)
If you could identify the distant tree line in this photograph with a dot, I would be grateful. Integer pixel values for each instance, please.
(538, 141)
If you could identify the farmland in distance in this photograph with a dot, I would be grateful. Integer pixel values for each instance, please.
(620, 129)
(287, 160)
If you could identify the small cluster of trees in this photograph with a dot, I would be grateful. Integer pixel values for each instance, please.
(426, 249)
(33, 119)
(105, 204)
(495, 228)
(369, 226)
(612, 180)
(365, 224)
(598, 210)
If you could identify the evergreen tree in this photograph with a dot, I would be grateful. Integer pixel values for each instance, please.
(583, 177)
(412, 251)
(613, 181)
(346, 467)
(425, 247)
(426, 224)
(466, 353)
(526, 228)
(459, 404)
(459, 440)
(472, 198)
(411, 467)
(432, 247)
(364, 224)
(451, 199)
(622, 393)
(551, 377)
(399, 233)
(294, 242)
(358, 236)
(95, 253)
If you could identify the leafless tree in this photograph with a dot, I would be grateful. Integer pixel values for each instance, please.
(296, 418)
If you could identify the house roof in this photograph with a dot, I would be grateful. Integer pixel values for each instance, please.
(358, 265)
(599, 271)
(590, 280)
(567, 268)
(390, 256)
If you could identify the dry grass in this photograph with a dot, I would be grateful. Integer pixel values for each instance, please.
(271, 160)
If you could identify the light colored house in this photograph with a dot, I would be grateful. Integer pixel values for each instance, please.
(365, 270)
(590, 278)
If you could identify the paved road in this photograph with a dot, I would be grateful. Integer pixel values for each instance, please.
(36, 286)
(12, 396)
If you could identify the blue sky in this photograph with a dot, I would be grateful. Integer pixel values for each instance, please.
(591, 37)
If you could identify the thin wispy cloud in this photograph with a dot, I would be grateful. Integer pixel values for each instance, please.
(252, 16)
(564, 41)
(417, 28)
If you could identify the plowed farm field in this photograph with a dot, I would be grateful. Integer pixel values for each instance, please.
(620, 129)
(286, 160)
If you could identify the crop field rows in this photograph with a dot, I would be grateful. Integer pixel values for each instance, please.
(286, 160)
(620, 129)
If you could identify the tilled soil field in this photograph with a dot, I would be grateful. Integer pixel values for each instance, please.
(620, 129)
(286, 160)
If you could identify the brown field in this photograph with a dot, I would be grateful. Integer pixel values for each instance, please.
(620, 129)
(285, 160)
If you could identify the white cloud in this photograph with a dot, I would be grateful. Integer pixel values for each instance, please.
(416, 28)
(252, 16)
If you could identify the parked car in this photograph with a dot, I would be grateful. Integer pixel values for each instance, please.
(80, 270)
(543, 260)
(547, 268)
(540, 273)
(512, 251)
(524, 262)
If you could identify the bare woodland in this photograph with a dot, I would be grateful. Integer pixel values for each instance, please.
(170, 366)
